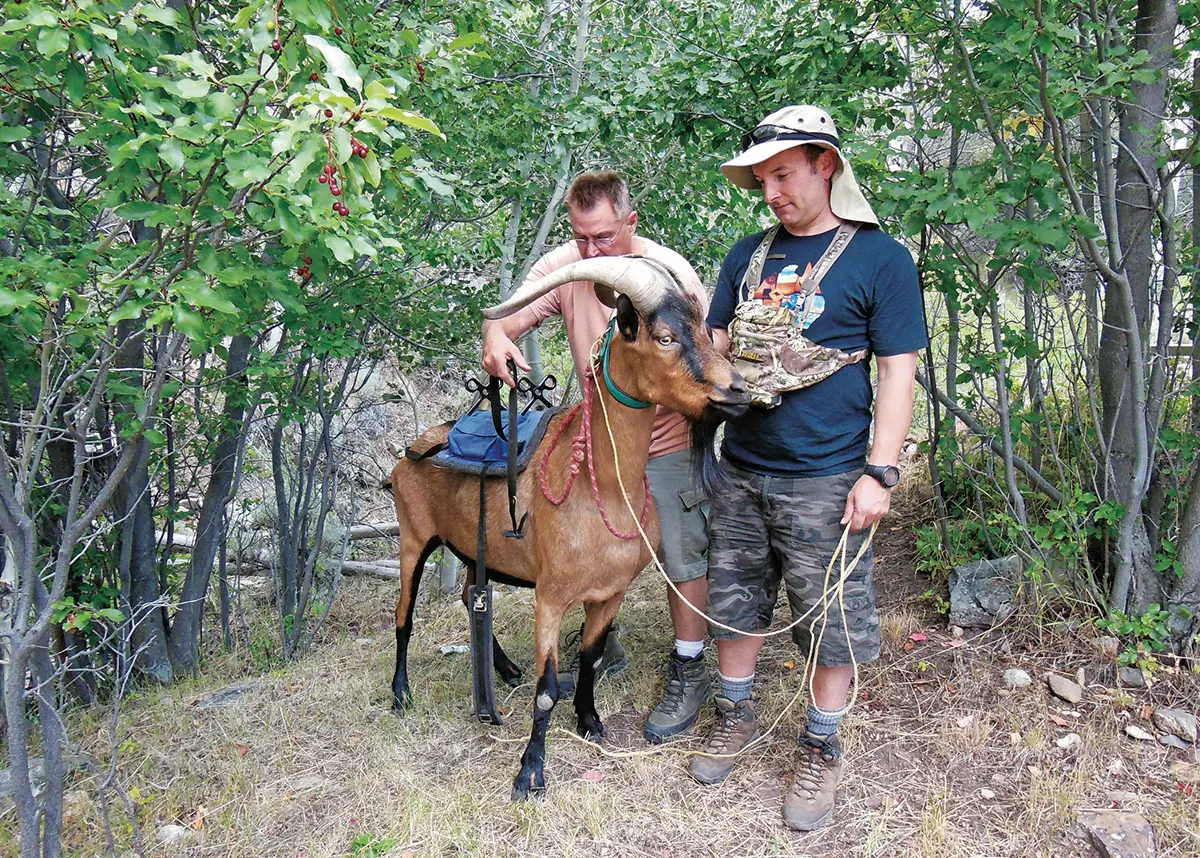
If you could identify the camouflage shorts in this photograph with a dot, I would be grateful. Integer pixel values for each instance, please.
(766, 529)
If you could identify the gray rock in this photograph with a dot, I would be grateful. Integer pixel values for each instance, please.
(1177, 722)
(983, 593)
(172, 835)
(1108, 647)
(37, 776)
(228, 695)
(1119, 834)
(1064, 688)
(1131, 677)
(1133, 731)
(1173, 741)
(1014, 677)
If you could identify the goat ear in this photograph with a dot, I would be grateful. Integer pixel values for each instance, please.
(627, 318)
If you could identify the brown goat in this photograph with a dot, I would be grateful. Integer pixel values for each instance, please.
(661, 353)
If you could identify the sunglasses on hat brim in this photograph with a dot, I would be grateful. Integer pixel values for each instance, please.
(771, 133)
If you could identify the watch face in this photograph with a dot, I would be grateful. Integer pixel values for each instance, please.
(891, 476)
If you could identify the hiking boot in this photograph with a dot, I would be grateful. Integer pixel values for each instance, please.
(688, 689)
(612, 660)
(809, 803)
(736, 727)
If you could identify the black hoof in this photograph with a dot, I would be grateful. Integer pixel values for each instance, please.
(527, 786)
(402, 701)
(590, 727)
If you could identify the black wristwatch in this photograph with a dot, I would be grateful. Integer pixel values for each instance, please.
(888, 475)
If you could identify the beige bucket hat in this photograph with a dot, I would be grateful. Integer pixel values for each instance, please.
(793, 126)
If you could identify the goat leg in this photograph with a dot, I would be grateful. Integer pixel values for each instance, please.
(412, 565)
(531, 779)
(598, 620)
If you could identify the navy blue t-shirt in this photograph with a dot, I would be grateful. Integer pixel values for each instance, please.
(870, 298)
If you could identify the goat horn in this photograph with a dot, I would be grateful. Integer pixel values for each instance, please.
(641, 281)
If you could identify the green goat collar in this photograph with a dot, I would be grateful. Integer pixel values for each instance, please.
(618, 394)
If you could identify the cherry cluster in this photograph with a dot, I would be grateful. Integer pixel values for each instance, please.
(304, 270)
(359, 148)
(329, 177)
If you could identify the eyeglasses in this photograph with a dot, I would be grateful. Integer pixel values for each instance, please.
(603, 241)
(768, 133)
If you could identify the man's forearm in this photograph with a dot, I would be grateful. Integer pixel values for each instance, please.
(893, 408)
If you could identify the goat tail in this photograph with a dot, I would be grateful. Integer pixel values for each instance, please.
(709, 478)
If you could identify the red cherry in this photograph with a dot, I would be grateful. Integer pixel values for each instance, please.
(365, 150)
(329, 168)
(323, 178)
(308, 260)
(314, 77)
(338, 31)
(345, 211)
(337, 207)
(328, 113)
(336, 191)
(276, 45)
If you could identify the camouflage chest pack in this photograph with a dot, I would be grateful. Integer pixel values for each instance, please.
(767, 343)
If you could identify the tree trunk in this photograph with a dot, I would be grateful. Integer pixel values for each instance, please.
(1123, 382)
(184, 647)
(139, 572)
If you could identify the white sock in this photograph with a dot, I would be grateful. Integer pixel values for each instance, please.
(688, 649)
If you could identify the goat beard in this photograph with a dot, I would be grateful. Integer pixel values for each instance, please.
(709, 477)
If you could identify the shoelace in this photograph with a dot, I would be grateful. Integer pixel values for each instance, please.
(726, 727)
(676, 686)
(810, 774)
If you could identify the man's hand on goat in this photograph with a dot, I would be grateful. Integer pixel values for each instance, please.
(867, 503)
(498, 350)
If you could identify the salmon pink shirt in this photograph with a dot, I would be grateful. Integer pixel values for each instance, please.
(586, 317)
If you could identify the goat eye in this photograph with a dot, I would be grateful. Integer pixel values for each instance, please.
(666, 340)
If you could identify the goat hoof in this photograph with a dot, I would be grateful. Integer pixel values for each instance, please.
(590, 727)
(527, 786)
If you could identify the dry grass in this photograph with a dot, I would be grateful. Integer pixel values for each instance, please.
(315, 762)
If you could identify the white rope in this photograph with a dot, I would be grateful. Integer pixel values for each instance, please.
(814, 642)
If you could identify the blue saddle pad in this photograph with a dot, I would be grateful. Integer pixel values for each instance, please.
(473, 438)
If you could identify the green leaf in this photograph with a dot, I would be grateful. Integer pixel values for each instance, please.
(154, 214)
(340, 247)
(171, 153)
(75, 82)
(416, 120)
(339, 62)
(13, 133)
(371, 165)
(10, 300)
(52, 41)
(376, 89)
(196, 291)
(190, 323)
(466, 40)
(128, 310)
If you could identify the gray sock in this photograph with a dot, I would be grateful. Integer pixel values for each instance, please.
(736, 688)
(823, 723)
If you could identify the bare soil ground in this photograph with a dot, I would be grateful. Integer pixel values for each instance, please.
(943, 760)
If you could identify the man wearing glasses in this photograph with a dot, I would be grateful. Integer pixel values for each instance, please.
(798, 467)
(604, 224)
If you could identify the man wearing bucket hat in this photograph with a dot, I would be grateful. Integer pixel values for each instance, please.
(801, 308)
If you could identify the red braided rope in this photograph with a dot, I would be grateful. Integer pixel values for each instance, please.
(581, 448)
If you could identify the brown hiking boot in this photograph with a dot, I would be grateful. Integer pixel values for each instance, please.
(809, 803)
(736, 727)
